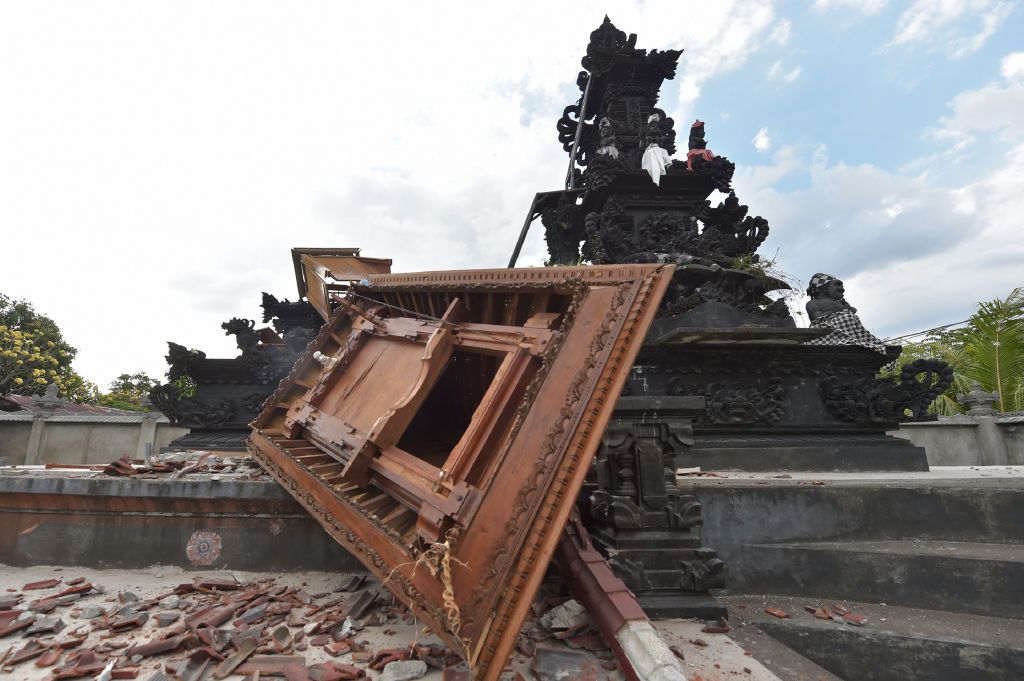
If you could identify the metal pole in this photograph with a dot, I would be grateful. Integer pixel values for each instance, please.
(530, 217)
(570, 180)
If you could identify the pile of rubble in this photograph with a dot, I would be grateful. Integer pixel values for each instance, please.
(838, 612)
(177, 465)
(209, 628)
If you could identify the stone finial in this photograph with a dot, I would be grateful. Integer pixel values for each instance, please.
(150, 409)
(979, 402)
(48, 401)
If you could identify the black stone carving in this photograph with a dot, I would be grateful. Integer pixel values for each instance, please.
(881, 400)
(775, 406)
(296, 322)
(623, 216)
(217, 398)
(773, 402)
(705, 571)
(268, 363)
(736, 402)
(190, 412)
(637, 514)
(181, 360)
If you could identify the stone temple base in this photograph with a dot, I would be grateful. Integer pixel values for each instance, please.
(788, 453)
(780, 406)
(655, 563)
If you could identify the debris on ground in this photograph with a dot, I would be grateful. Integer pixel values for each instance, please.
(567, 616)
(404, 670)
(171, 464)
(288, 627)
(553, 664)
(837, 613)
(209, 627)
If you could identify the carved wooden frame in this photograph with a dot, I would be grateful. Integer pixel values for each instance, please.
(565, 339)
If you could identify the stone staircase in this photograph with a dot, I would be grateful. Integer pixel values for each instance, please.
(895, 642)
(968, 577)
(936, 566)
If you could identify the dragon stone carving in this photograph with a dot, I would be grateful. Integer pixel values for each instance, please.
(883, 400)
(217, 394)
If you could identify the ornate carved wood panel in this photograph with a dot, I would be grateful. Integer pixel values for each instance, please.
(441, 425)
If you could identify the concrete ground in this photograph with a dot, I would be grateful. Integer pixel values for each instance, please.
(1009, 475)
(749, 609)
(716, 657)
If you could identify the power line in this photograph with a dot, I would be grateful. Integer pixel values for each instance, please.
(922, 333)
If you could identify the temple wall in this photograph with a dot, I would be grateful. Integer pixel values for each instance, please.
(969, 440)
(14, 442)
(57, 518)
(81, 442)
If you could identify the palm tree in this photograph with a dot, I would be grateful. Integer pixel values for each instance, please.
(993, 351)
(989, 350)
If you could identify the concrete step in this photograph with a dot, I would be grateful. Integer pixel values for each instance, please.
(780, 659)
(968, 577)
(754, 509)
(895, 643)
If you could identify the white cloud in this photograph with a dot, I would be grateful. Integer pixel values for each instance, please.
(762, 142)
(726, 38)
(995, 108)
(781, 32)
(867, 7)
(959, 26)
(775, 72)
(159, 161)
(914, 252)
(1012, 65)
(943, 286)
(910, 255)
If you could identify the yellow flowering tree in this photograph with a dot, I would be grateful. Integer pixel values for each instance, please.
(34, 354)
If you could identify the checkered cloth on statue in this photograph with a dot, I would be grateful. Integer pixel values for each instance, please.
(846, 330)
(829, 309)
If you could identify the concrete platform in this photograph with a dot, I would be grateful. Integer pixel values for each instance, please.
(941, 475)
(949, 539)
(984, 579)
(935, 560)
(84, 518)
(894, 644)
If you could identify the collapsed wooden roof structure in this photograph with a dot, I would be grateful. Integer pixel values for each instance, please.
(441, 424)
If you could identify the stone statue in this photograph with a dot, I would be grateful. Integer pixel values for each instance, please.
(828, 308)
(827, 296)
(698, 146)
(656, 159)
(607, 147)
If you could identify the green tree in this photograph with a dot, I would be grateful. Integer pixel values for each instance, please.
(127, 391)
(988, 350)
(992, 350)
(34, 354)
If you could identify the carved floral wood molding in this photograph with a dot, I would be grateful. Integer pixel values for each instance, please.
(453, 415)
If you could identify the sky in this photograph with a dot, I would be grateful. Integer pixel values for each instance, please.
(158, 160)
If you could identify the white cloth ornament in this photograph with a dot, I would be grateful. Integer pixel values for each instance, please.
(655, 162)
